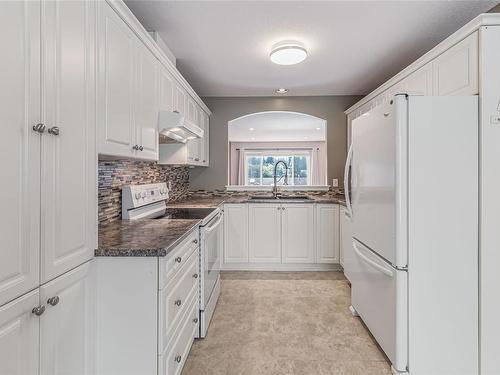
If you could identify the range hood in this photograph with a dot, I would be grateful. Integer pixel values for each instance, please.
(177, 127)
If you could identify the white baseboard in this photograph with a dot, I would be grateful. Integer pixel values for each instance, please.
(281, 267)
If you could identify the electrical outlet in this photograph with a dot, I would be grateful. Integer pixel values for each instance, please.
(335, 182)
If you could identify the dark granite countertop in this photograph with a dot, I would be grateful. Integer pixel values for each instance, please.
(214, 200)
(142, 238)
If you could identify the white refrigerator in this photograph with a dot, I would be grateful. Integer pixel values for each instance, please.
(413, 198)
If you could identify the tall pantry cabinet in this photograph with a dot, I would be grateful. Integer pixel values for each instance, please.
(48, 195)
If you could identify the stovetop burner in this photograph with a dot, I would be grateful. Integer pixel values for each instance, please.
(186, 213)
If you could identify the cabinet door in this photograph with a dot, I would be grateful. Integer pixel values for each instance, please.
(206, 139)
(66, 327)
(69, 166)
(193, 146)
(327, 233)
(456, 70)
(236, 233)
(116, 77)
(180, 98)
(19, 336)
(297, 223)
(264, 233)
(347, 257)
(166, 90)
(146, 114)
(420, 82)
(20, 151)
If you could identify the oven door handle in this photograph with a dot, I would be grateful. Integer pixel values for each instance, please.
(212, 226)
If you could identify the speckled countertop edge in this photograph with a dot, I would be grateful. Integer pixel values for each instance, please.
(167, 241)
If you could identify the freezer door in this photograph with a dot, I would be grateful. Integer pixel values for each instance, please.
(379, 295)
(376, 181)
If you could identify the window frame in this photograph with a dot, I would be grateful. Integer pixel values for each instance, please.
(262, 153)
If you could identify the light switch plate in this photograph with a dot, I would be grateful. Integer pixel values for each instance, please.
(335, 182)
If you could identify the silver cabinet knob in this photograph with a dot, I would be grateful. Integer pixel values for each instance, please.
(39, 310)
(195, 275)
(195, 320)
(178, 359)
(53, 300)
(195, 241)
(141, 148)
(178, 302)
(135, 147)
(178, 259)
(204, 161)
(40, 128)
(54, 130)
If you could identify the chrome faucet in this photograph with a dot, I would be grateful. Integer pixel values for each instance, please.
(285, 182)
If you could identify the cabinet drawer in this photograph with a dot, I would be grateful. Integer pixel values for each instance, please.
(173, 358)
(175, 299)
(173, 262)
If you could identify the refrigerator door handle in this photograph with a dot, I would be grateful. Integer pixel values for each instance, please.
(346, 181)
(367, 260)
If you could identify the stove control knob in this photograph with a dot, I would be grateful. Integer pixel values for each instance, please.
(137, 195)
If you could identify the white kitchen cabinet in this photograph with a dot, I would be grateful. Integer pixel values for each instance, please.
(194, 145)
(420, 82)
(205, 155)
(236, 233)
(128, 102)
(167, 86)
(68, 159)
(327, 233)
(180, 99)
(297, 229)
(116, 78)
(147, 99)
(19, 336)
(347, 257)
(456, 70)
(66, 327)
(264, 233)
(20, 198)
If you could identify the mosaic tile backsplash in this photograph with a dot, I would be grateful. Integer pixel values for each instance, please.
(113, 174)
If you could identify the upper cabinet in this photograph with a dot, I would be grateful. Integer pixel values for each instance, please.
(456, 70)
(134, 83)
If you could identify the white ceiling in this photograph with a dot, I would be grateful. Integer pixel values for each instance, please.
(276, 126)
(222, 47)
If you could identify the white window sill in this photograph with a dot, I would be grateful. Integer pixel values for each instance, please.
(280, 187)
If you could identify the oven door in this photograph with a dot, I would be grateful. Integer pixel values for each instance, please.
(211, 245)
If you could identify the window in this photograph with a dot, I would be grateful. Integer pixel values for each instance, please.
(259, 167)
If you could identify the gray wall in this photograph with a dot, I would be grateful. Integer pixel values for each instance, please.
(330, 108)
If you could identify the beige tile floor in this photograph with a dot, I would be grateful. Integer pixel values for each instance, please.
(274, 323)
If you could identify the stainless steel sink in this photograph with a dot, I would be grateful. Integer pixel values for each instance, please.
(282, 198)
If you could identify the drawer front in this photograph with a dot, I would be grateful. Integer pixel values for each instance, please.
(176, 298)
(173, 358)
(173, 262)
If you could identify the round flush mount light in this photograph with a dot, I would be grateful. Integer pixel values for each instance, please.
(288, 52)
(281, 91)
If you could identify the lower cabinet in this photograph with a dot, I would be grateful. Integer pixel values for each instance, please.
(49, 330)
(147, 311)
(289, 236)
(327, 239)
(264, 233)
(346, 251)
(297, 230)
(19, 336)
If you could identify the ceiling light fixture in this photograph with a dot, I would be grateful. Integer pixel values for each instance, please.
(281, 91)
(251, 129)
(288, 52)
(318, 128)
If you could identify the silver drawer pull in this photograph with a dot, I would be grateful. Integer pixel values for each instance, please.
(195, 275)
(53, 301)
(39, 310)
(178, 259)
(178, 302)
(195, 241)
(195, 320)
(178, 358)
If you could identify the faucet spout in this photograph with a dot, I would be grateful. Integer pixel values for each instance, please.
(285, 182)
